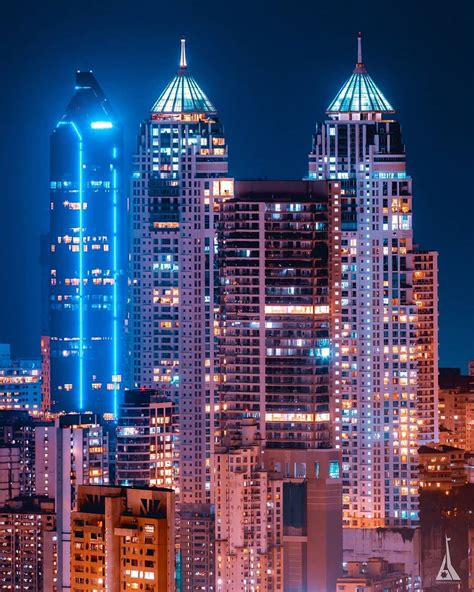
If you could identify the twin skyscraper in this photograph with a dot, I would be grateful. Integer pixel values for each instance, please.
(292, 325)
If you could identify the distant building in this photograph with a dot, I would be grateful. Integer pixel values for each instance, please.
(447, 514)
(374, 575)
(17, 451)
(470, 366)
(147, 432)
(20, 382)
(456, 409)
(46, 373)
(197, 547)
(122, 539)
(425, 295)
(88, 253)
(443, 467)
(28, 549)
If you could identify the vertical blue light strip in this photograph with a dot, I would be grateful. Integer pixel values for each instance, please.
(81, 263)
(115, 289)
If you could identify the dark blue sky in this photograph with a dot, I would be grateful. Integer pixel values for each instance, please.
(271, 68)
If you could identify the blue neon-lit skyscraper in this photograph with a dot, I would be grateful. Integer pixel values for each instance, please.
(87, 253)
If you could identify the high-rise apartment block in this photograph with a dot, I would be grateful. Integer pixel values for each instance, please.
(281, 344)
(17, 453)
(278, 495)
(274, 343)
(87, 253)
(45, 460)
(146, 439)
(425, 294)
(45, 373)
(456, 409)
(179, 181)
(28, 549)
(122, 539)
(375, 323)
(20, 382)
(73, 450)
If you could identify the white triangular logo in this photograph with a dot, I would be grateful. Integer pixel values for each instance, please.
(447, 573)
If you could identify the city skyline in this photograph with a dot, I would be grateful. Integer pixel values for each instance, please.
(320, 75)
(238, 381)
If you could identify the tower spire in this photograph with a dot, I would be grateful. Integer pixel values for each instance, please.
(359, 49)
(182, 61)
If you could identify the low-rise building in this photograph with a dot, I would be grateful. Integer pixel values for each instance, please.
(443, 467)
(374, 575)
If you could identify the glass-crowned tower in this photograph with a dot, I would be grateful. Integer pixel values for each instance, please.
(87, 249)
(179, 181)
(377, 353)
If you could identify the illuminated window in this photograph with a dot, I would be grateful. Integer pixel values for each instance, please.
(334, 469)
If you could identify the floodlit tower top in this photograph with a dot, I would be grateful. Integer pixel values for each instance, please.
(183, 95)
(359, 94)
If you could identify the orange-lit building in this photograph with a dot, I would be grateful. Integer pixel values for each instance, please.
(456, 409)
(122, 539)
(443, 467)
(425, 295)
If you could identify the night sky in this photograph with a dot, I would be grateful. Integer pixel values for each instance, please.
(271, 69)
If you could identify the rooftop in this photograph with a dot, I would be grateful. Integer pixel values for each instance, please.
(183, 94)
(89, 102)
(360, 93)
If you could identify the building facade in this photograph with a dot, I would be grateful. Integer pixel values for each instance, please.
(146, 438)
(122, 539)
(360, 152)
(179, 180)
(425, 294)
(87, 253)
(21, 382)
(17, 450)
(278, 494)
(74, 449)
(374, 575)
(456, 409)
(28, 550)
(443, 467)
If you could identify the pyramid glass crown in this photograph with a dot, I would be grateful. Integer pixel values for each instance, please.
(360, 93)
(183, 94)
